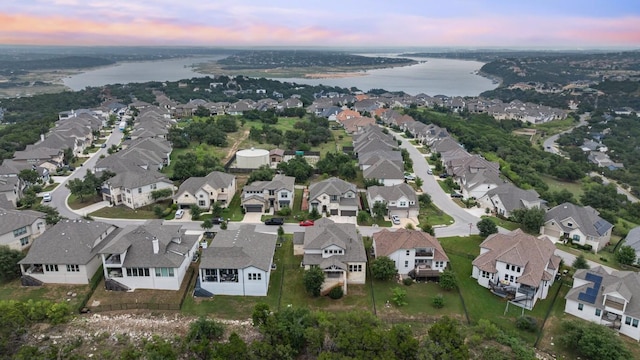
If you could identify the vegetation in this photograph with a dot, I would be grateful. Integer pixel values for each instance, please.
(298, 168)
(448, 280)
(487, 227)
(530, 219)
(313, 280)
(580, 262)
(383, 268)
(626, 255)
(593, 341)
(9, 268)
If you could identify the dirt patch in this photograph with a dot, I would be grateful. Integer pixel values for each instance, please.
(235, 146)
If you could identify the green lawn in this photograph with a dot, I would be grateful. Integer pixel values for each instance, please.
(602, 254)
(509, 225)
(121, 211)
(296, 213)
(13, 290)
(75, 203)
(234, 210)
(556, 185)
(419, 300)
(50, 187)
(433, 216)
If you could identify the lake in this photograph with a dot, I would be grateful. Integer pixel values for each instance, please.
(433, 76)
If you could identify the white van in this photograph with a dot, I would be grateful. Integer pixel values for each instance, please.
(179, 213)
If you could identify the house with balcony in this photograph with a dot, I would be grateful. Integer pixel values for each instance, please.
(612, 300)
(412, 251)
(238, 262)
(578, 225)
(260, 196)
(216, 187)
(18, 228)
(134, 188)
(517, 266)
(334, 196)
(401, 199)
(150, 256)
(336, 248)
(66, 253)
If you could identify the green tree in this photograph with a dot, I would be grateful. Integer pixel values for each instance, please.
(313, 280)
(261, 313)
(399, 296)
(424, 199)
(205, 329)
(626, 255)
(530, 219)
(580, 262)
(487, 227)
(161, 194)
(263, 173)
(379, 210)
(80, 188)
(448, 280)
(195, 211)
(593, 341)
(28, 176)
(202, 111)
(419, 182)
(383, 268)
(298, 168)
(437, 301)
(9, 268)
(446, 341)
(206, 225)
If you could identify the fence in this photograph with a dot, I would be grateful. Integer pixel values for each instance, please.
(548, 313)
(136, 306)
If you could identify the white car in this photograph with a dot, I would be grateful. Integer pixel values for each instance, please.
(429, 171)
(179, 213)
(46, 197)
(395, 219)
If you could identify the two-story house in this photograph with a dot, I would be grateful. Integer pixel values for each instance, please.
(334, 196)
(216, 187)
(19, 228)
(411, 250)
(577, 224)
(612, 300)
(517, 266)
(338, 250)
(401, 199)
(633, 239)
(66, 253)
(386, 172)
(238, 262)
(506, 198)
(150, 256)
(134, 188)
(260, 196)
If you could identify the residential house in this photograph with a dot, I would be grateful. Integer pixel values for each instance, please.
(134, 188)
(238, 262)
(11, 189)
(577, 224)
(18, 228)
(633, 239)
(357, 124)
(517, 266)
(276, 156)
(612, 300)
(401, 199)
(260, 196)
(66, 253)
(506, 198)
(386, 171)
(216, 187)
(334, 196)
(367, 159)
(150, 256)
(338, 250)
(411, 250)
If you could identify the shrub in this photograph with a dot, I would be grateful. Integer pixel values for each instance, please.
(527, 323)
(336, 293)
(407, 281)
(285, 211)
(437, 301)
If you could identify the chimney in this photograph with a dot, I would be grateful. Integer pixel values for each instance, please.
(156, 245)
(41, 137)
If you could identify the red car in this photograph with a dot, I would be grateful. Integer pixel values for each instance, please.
(306, 223)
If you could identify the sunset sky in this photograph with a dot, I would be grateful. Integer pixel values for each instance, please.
(469, 23)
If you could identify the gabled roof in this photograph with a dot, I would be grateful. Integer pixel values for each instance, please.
(512, 196)
(215, 179)
(393, 193)
(279, 182)
(11, 219)
(331, 186)
(633, 238)
(370, 158)
(325, 233)
(134, 178)
(625, 283)
(239, 249)
(586, 219)
(533, 255)
(384, 169)
(387, 242)
(70, 242)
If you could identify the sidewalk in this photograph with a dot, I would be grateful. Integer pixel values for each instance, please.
(91, 208)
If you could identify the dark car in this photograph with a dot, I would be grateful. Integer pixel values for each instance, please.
(456, 195)
(217, 220)
(444, 175)
(274, 221)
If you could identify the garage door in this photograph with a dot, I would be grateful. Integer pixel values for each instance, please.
(334, 211)
(253, 208)
(348, 213)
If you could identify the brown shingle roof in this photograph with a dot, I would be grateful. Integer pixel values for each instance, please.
(387, 242)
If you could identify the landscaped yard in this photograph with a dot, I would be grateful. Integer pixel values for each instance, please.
(602, 254)
(433, 216)
(234, 210)
(121, 211)
(74, 202)
(509, 225)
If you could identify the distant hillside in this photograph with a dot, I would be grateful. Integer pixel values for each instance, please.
(63, 62)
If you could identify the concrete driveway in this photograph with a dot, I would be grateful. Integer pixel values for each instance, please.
(253, 217)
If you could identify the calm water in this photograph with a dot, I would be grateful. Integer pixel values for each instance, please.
(433, 77)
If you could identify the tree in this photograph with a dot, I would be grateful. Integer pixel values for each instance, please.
(448, 280)
(80, 188)
(399, 296)
(205, 329)
(161, 194)
(593, 341)
(52, 215)
(206, 225)
(446, 341)
(487, 227)
(437, 301)
(383, 268)
(202, 111)
(263, 173)
(379, 210)
(424, 199)
(28, 176)
(9, 268)
(530, 219)
(313, 280)
(298, 168)
(195, 211)
(626, 255)
(580, 262)
(419, 182)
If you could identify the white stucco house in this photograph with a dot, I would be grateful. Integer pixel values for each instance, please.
(238, 262)
(411, 250)
(134, 188)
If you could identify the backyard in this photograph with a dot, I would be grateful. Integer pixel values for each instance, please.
(71, 294)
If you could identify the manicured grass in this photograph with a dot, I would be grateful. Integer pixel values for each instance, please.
(14, 290)
(611, 259)
(75, 203)
(50, 187)
(121, 211)
(556, 185)
(509, 225)
(419, 300)
(234, 210)
(432, 215)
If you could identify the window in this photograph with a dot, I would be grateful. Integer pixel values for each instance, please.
(576, 237)
(518, 269)
(139, 190)
(598, 312)
(635, 323)
(580, 306)
(508, 266)
(73, 268)
(408, 252)
(154, 186)
(627, 320)
(406, 263)
(137, 272)
(569, 224)
(284, 194)
(20, 231)
(272, 192)
(51, 268)
(355, 268)
(402, 204)
(201, 203)
(506, 277)
(164, 272)
(511, 278)
(255, 276)
(24, 241)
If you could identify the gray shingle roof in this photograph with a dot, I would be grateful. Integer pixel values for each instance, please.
(215, 179)
(325, 233)
(14, 219)
(330, 186)
(512, 196)
(134, 178)
(69, 242)
(393, 193)
(384, 169)
(633, 238)
(239, 249)
(586, 218)
(279, 182)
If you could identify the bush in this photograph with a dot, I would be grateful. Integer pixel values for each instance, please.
(407, 281)
(285, 211)
(336, 293)
(527, 323)
(437, 301)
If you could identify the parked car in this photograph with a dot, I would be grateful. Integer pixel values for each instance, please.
(274, 221)
(306, 223)
(217, 220)
(429, 171)
(409, 176)
(179, 213)
(395, 219)
(456, 195)
(103, 145)
(46, 197)
(444, 175)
